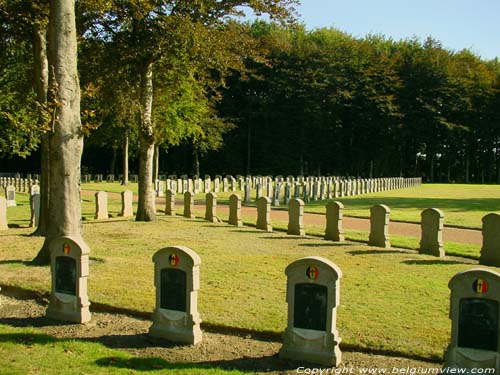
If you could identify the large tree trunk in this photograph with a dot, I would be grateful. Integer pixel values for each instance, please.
(196, 162)
(66, 137)
(156, 162)
(125, 160)
(146, 210)
(41, 83)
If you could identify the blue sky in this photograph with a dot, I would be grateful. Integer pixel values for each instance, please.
(458, 24)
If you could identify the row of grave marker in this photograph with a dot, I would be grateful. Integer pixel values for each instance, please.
(312, 295)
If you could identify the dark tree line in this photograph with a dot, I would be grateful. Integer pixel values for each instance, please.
(325, 102)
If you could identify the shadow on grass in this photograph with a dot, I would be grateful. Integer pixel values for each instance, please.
(16, 261)
(38, 322)
(375, 252)
(328, 244)
(430, 262)
(246, 364)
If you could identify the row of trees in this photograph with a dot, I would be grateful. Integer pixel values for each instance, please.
(153, 64)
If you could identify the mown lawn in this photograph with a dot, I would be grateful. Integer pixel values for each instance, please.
(27, 351)
(393, 300)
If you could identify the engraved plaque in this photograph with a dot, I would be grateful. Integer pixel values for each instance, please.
(66, 275)
(478, 324)
(310, 307)
(173, 289)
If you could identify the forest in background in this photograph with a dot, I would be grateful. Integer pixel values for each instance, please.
(262, 98)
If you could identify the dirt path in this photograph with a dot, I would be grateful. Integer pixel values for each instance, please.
(468, 236)
(227, 351)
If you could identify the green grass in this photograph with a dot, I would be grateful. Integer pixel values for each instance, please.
(27, 351)
(390, 300)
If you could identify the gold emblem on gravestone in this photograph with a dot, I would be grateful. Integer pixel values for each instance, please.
(480, 286)
(66, 248)
(173, 260)
(312, 272)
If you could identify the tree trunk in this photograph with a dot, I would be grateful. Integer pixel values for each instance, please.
(146, 210)
(125, 160)
(66, 137)
(249, 147)
(467, 168)
(41, 85)
(156, 163)
(112, 163)
(196, 162)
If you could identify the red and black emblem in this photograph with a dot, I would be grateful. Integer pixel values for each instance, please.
(480, 286)
(312, 272)
(173, 259)
(66, 248)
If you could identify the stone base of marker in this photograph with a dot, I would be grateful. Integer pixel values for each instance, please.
(69, 262)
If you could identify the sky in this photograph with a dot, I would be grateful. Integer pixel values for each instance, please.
(457, 24)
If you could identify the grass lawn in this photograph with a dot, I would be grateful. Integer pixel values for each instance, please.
(48, 355)
(390, 300)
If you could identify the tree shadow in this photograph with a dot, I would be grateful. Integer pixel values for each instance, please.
(430, 262)
(16, 261)
(328, 244)
(37, 322)
(375, 252)
(262, 364)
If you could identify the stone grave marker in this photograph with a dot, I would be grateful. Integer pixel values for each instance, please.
(188, 205)
(296, 217)
(379, 226)
(235, 210)
(264, 214)
(431, 240)
(211, 207)
(35, 205)
(160, 188)
(170, 202)
(10, 195)
(177, 281)
(3, 214)
(101, 205)
(334, 215)
(69, 264)
(490, 251)
(247, 192)
(474, 314)
(313, 295)
(127, 209)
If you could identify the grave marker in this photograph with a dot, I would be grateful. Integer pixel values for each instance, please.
(474, 314)
(127, 209)
(3, 214)
(296, 217)
(170, 202)
(235, 210)
(101, 205)
(69, 264)
(188, 205)
(177, 281)
(10, 195)
(313, 295)
(490, 251)
(334, 216)
(211, 207)
(431, 240)
(379, 226)
(264, 214)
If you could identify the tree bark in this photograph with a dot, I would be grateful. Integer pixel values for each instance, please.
(66, 137)
(196, 162)
(156, 161)
(125, 160)
(41, 83)
(146, 210)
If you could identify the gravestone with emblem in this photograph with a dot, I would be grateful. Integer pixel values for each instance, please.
(474, 314)
(313, 295)
(177, 281)
(69, 263)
